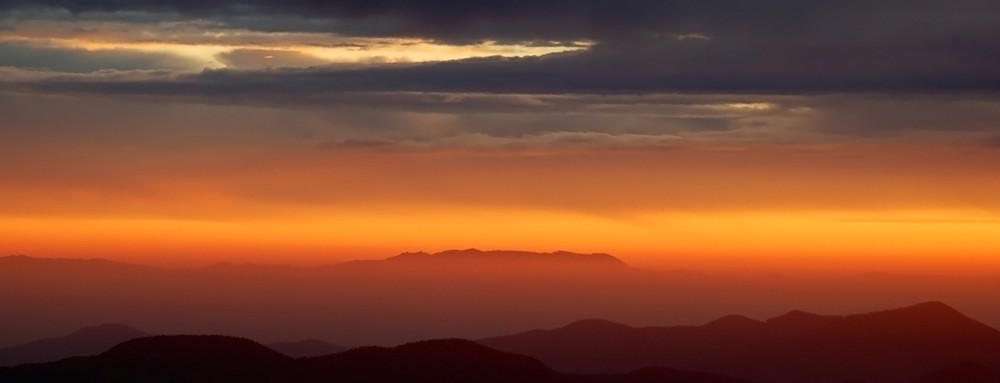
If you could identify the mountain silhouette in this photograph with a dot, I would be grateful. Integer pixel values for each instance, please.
(446, 360)
(86, 341)
(886, 346)
(510, 256)
(206, 358)
(400, 299)
(176, 358)
(458, 293)
(65, 267)
(492, 260)
(734, 322)
(306, 348)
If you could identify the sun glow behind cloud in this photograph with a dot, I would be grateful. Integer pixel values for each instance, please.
(210, 45)
(812, 242)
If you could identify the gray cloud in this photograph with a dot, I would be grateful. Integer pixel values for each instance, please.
(880, 116)
(566, 19)
(382, 121)
(763, 47)
(566, 73)
(81, 61)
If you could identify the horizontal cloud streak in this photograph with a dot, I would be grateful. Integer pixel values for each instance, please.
(500, 19)
(440, 117)
(568, 73)
(773, 47)
(80, 60)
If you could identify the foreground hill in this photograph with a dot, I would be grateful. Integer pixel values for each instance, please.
(196, 359)
(887, 346)
(306, 348)
(93, 340)
(86, 341)
(178, 358)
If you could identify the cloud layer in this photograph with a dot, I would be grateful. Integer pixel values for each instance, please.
(640, 46)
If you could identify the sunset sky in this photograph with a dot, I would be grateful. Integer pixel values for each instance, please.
(716, 135)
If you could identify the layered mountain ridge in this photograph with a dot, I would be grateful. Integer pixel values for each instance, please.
(922, 343)
(884, 346)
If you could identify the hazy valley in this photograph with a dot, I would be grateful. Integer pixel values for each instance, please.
(675, 321)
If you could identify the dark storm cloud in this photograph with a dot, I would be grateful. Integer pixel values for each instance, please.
(362, 120)
(571, 73)
(709, 46)
(569, 19)
(450, 19)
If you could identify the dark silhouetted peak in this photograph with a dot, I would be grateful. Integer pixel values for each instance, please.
(86, 341)
(162, 359)
(198, 349)
(734, 322)
(962, 373)
(414, 255)
(512, 256)
(930, 324)
(306, 348)
(927, 310)
(441, 360)
(797, 318)
(106, 330)
(923, 316)
(932, 306)
(596, 326)
(446, 348)
(887, 346)
(435, 349)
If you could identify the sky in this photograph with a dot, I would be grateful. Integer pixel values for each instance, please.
(730, 136)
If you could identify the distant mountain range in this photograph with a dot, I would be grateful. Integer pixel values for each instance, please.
(91, 340)
(924, 343)
(402, 298)
(466, 257)
(467, 294)
(887, 346)
(520, 258)
(208, 358)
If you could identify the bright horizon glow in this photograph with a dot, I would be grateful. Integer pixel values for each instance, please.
(850, 208)
(204, 46)
(806, 242)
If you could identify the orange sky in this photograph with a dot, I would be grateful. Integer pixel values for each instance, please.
(760, 208)
(187, 138)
